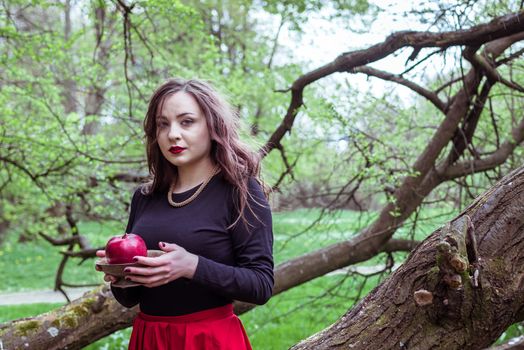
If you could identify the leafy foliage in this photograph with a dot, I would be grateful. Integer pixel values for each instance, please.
(75, 78)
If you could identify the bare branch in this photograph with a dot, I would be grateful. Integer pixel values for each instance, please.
(491, 72)
(511, 57)
(464, 135)
(431, 96)
(60, 241)
(287, 276)
(128, 177)
(275, 41)
(448, 84)
(487, 163)
(84, 254)
(287, 171)
(477, 35)
(494, 123)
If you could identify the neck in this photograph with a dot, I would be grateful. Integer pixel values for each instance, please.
(191, 176)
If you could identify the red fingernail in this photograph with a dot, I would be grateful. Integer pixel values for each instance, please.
(135, 259)
(163, 244)
(126, 270)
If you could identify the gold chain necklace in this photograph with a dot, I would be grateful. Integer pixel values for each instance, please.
(194, 195)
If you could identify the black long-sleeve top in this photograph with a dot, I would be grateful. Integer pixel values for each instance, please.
(233, 264)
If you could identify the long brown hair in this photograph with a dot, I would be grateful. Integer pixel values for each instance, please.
(235, 160)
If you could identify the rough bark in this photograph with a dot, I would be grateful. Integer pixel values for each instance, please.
(69, 327)
(488, 239)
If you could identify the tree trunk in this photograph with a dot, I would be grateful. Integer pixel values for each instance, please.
(460, 289)
(72, 326)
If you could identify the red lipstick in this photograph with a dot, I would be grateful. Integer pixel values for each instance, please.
(176, 149)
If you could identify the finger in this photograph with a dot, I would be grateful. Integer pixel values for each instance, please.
(168, 247)
(144, 260)
(109, 278)
(146, 280)
(101, 253)
(144, 271)
(158, 283)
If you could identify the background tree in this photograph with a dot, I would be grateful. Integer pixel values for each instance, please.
(464, 128)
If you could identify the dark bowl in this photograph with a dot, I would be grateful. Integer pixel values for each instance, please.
(117, 270)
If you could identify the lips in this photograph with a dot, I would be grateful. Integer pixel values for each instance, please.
(176, 149)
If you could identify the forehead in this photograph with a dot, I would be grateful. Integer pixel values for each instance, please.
(177, 103)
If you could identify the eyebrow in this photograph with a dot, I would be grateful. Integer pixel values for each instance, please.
(177, 116)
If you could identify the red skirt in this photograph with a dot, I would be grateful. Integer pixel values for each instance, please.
(213, 329)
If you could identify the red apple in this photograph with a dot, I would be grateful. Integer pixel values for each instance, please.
(122, 249)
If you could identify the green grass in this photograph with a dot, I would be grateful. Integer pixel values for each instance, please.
(14, 312)
(514, 331)
(302, 311)
(40, 259)
(33, 265)
(283, 321)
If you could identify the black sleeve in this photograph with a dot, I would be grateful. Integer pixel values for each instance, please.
(127, 297)
(251, 280)
(130, 296)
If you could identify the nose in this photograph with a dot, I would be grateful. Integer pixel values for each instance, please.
(174, 132)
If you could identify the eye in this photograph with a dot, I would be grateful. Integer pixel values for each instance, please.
(187, 122)
(161, 124)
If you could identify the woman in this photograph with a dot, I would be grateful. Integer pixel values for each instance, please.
(205, 208)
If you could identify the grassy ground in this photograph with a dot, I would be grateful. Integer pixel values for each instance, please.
(39, 259)
(285, 320)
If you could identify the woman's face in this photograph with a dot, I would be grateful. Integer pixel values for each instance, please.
(182, 132)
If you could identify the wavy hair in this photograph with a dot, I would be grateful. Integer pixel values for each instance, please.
(234, 158)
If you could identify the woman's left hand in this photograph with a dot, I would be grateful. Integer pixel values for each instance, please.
(175, 263)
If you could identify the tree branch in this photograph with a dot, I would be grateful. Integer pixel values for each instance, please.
(477, 35)
(493, 160)
(60, 241)
(287, 275)
(491, 72)
(429, 95)
(84, 253)
(464, 135)
(459, 283)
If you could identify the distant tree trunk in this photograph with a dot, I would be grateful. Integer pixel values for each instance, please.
(460, 289)
(69, 85)
(104, 25)
(4, 224)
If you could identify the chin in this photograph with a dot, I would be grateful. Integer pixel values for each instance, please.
(177, 162)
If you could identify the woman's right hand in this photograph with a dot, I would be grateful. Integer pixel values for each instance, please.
(107, 277)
